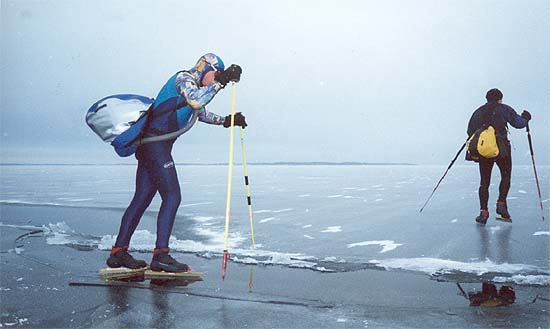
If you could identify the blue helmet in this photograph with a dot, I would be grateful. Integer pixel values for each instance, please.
(207, 62)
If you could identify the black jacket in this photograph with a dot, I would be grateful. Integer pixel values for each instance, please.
(497, 115)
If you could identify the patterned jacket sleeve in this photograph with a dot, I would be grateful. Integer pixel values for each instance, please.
(210, 117)
(196, 97)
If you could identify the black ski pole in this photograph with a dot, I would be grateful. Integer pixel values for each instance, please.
(446, 171)
(462, 292)
(535, 169)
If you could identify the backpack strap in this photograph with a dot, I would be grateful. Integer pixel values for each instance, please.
(172, 135)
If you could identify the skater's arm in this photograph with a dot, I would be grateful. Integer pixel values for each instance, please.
(511, 116)
(210, 117)
(472, 124)
(197, 97)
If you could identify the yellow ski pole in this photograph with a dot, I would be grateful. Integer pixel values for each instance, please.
(247, 190)
(229, 182)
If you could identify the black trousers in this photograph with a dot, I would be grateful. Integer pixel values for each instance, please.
(485, 168)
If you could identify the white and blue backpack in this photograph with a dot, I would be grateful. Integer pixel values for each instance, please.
(120, 120)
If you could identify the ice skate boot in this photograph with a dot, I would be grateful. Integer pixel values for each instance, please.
(162, 261)
(121, 258)
(483, 216)
(502, 212)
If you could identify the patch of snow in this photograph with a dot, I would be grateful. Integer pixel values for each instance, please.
(387, 245)
(533, 280)
(332, 229)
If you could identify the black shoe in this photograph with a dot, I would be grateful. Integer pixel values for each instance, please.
(483, 216)
(162, 261)
(123, 259)
(502, 211)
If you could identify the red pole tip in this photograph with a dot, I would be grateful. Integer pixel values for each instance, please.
(224, 263)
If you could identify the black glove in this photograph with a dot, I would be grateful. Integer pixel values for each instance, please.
(232, 73)
(526, 115)
(239, 120)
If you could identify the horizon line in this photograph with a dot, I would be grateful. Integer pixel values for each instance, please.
(274, 163)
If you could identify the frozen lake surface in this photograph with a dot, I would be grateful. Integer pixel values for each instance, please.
(322, 218)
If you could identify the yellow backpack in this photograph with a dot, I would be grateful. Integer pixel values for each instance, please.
(483, 143)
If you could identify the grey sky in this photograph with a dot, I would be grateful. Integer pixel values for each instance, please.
(375, 81)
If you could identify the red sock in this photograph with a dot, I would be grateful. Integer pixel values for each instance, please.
(116, 249)
(157, 250)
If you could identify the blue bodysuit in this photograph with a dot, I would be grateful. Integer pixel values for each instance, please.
(156, 169)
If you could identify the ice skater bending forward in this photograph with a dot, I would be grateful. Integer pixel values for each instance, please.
(156, 169)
